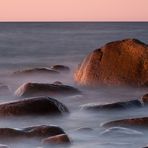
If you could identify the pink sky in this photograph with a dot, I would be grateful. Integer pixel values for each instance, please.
(73, 10)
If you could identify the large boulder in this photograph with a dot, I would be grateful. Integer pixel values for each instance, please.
(131, 122)
(33, 106)
(113, 106)
(122, 62)
(42, 89)
(35, 132)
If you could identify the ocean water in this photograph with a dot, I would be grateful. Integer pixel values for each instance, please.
(29, 45)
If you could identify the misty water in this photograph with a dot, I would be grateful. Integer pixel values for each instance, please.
(30, 45)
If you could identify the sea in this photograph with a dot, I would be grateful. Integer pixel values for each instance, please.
(25, 45)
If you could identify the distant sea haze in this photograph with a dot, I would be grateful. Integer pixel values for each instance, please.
(39, 42)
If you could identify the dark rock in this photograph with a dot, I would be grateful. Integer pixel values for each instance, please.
(34, 132)
(131, 122)
(113, 106)
(61, 68)
(122, 62)
(40, 89)
(120, 131)
(33, 106)
(56, 140)
(145, 99)
(35, 71)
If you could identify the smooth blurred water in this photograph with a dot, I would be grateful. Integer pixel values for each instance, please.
(33, 44)
(28, 45)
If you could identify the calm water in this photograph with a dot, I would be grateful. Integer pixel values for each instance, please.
(28, 45)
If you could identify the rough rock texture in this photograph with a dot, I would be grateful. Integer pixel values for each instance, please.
(58, 139)
(60, 68)
(40, 89)
(133, 122)
(33, 106)
(34, 132)
(113, 106)
(145, 99)
(122, 62)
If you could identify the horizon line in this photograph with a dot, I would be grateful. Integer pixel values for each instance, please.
(38, 21)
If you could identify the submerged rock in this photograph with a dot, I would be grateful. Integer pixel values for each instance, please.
(145, 99)
(34, 132)
(3, 146)
(4, 89)
(113, 106)
(56, 140)
(84, 130)
(61, 68)
(131, 122)
(122, 62)
(35, 71)
(40, 89)
(33, 106)
(120, 131)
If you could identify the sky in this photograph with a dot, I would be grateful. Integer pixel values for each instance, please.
(73, 10)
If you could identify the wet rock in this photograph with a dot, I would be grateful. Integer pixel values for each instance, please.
(43, 131)
(109, 65)
(34, 132)
(120, 131)
(56, 140)
(35, 71)
(40, 89)
(61, 68)
(131, 122)
(113, 106)
(33, 106)
(145, 99)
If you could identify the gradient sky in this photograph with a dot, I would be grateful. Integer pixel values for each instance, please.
(73, 10)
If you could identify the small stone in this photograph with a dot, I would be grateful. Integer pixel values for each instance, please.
(58, 139)
(61, 68)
